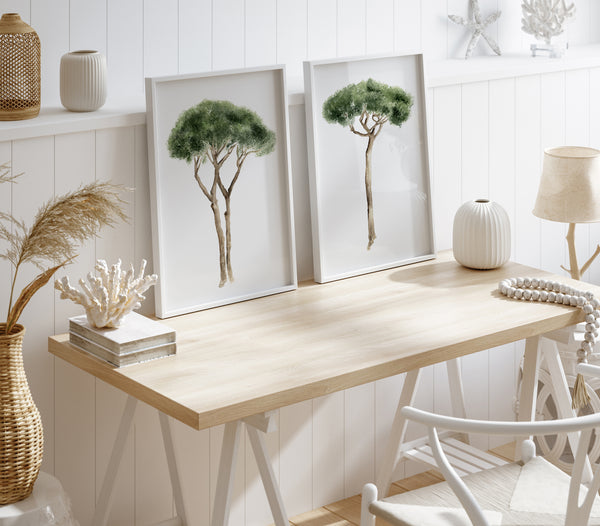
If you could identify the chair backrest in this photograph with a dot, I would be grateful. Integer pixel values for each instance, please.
(576, 514)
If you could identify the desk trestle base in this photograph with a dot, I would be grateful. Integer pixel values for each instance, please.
(394, 451)
(107, 491)
(256, 426)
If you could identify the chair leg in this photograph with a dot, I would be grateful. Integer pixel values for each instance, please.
(369, 495)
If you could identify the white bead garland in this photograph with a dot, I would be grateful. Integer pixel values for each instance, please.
(539, 289)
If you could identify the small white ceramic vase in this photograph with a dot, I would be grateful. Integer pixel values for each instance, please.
(83, 80)
(481, 235)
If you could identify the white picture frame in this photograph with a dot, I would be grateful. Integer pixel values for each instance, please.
(397, 226)
(255, 249)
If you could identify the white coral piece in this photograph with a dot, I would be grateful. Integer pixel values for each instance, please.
(107, 298)
(544, 19)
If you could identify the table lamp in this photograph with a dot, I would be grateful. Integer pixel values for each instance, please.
(569, 192)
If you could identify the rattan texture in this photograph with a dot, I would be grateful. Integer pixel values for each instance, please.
(20, 74)
(21, 433)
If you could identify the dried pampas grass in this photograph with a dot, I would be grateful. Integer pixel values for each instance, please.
(51, 241)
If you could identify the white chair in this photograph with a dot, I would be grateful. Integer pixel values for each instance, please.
(530, 492)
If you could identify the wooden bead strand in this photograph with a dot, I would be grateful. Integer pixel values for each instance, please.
(539, 289)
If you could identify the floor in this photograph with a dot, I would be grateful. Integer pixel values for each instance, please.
(347, 512)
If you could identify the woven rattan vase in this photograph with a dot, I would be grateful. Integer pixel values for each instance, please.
(21, 434)
(20, 69)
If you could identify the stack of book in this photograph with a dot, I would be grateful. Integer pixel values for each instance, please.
(138, 339)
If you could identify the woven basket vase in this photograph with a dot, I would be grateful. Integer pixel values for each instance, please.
(21, 434)
(20, 69)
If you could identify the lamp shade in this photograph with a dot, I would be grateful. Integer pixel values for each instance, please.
(569, 189)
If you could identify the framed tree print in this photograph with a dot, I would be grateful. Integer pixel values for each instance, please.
(368, 164)
(222, 218)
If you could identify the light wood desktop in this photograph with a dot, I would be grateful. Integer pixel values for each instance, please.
(239, 362)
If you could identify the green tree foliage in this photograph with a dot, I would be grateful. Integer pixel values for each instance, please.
(365, 107)
(213, 131)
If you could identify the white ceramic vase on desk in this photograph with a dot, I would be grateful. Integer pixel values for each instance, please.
(481, 235)
(83, 80)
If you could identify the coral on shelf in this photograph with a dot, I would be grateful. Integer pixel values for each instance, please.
(545, 19)
(111, 295)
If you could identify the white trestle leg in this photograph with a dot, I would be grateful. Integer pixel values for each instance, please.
(106, 492)
(256, 427)
(391, 455)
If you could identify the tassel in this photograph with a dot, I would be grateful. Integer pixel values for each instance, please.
(581, 398)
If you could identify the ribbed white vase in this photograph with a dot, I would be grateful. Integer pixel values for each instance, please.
(481, 235)
(83, 80)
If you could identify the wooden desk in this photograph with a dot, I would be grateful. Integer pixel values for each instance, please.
(250, 358)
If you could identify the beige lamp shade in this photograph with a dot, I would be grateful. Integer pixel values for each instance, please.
(569, 189)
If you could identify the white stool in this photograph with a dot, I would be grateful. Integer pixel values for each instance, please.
(48, 505)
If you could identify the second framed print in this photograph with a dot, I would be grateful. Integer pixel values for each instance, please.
(220, 188)
(368, 164)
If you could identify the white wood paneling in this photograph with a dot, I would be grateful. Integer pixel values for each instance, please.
(594, 122)
(328, 455)
(195, 36)
(23, 7)
(577, 132)
(510, 37)
(110, 403)
(387, 395)
(528, 167)
(141, 216)
(125, 46)
(35, 187)
(407, 25)
(5, 207)
(260, 32)
(359, 438)
(380, 26)
(552, 128)
(434, 29)
(321, 29)
(447, 162)
(351, 33)
(475, 130)
(87, 23)
(75, 415)
(292, 38)
(75, 437)
(295, 457)
(161, 53)
(228, 34)
(502, 147)
(51, 22)
(153, 495)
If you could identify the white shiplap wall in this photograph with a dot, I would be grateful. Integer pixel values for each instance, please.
(486, 140)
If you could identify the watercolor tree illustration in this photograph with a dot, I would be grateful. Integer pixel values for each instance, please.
(215, 131)
(365, 108)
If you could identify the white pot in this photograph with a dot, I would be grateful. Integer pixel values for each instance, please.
(83, 80)
(481, 235)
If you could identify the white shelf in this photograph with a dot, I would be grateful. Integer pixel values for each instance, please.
(54, 120)
(477, 69)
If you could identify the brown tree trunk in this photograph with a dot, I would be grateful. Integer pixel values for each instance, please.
(368, 180)
(214, 204)
(228, 236)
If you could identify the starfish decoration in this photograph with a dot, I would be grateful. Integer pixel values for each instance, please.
(478, 26)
